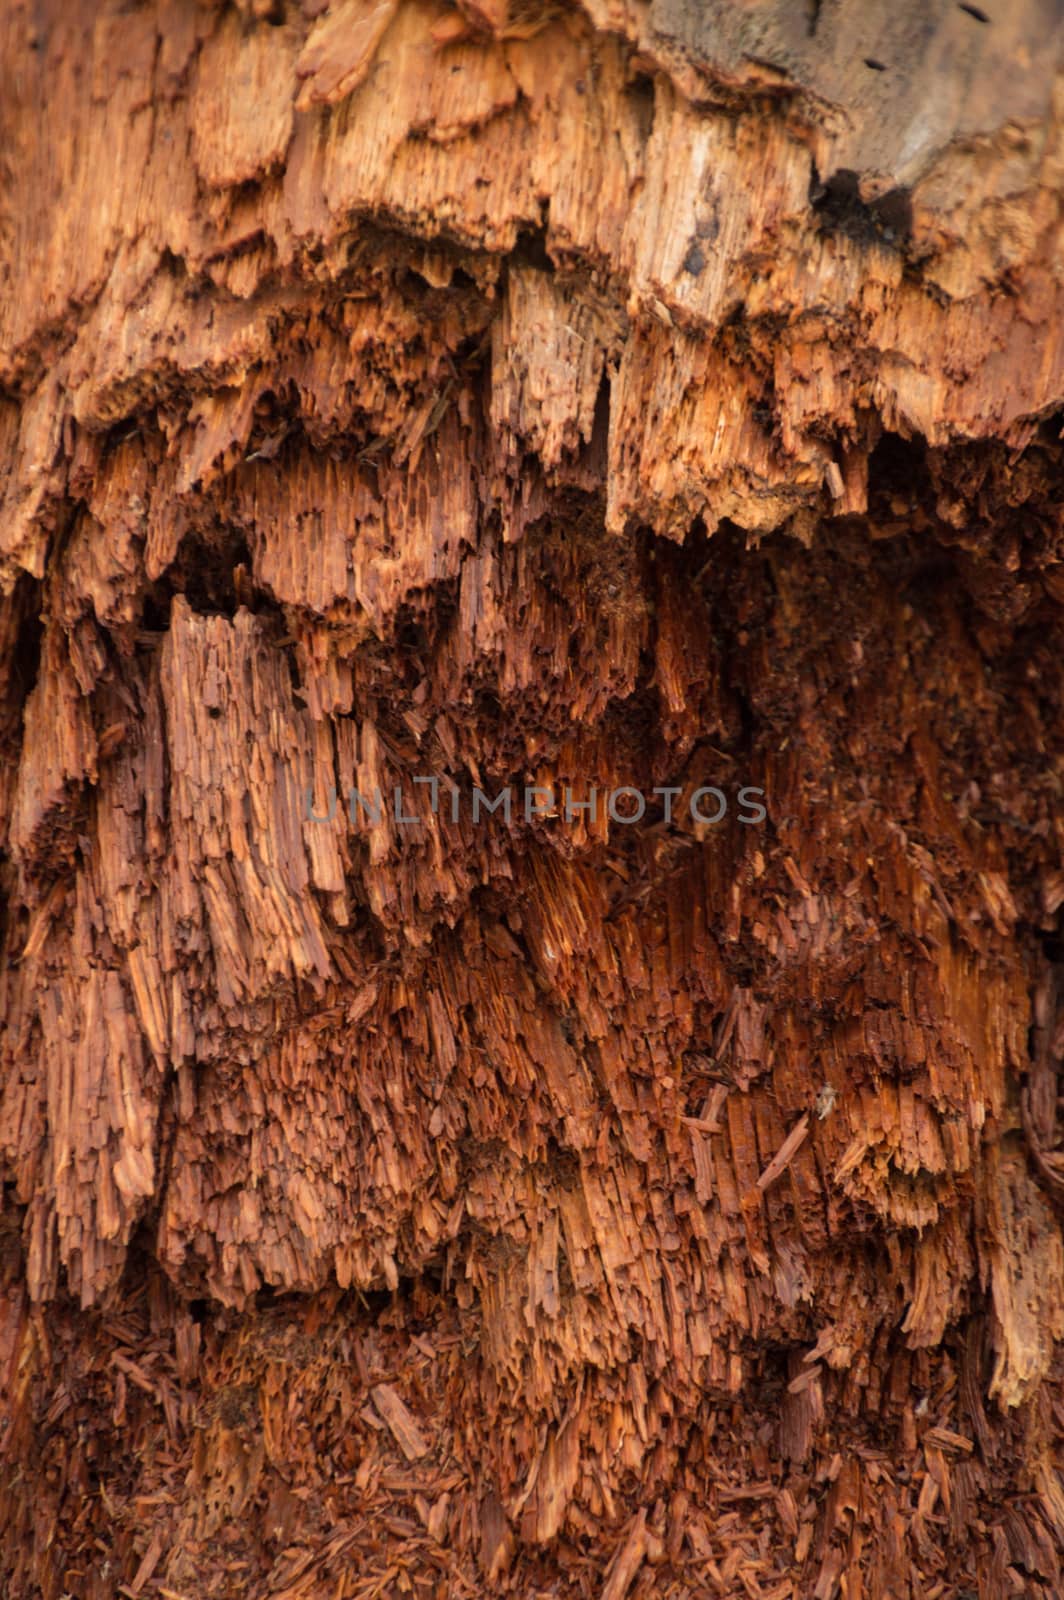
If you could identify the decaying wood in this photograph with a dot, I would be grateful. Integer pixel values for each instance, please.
(582, 396)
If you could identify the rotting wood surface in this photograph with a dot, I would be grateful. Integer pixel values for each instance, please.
(634, 394)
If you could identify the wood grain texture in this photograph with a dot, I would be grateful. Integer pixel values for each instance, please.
(582, 396)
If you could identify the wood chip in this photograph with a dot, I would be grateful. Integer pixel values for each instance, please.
(404, 1429)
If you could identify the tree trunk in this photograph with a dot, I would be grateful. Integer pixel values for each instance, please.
(642, 420)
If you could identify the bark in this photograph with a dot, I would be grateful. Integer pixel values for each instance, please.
(662, 396)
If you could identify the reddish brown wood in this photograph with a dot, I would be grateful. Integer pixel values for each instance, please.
(650, 396)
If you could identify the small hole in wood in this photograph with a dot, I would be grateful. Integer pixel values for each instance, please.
(972, 11)
(876, 66)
